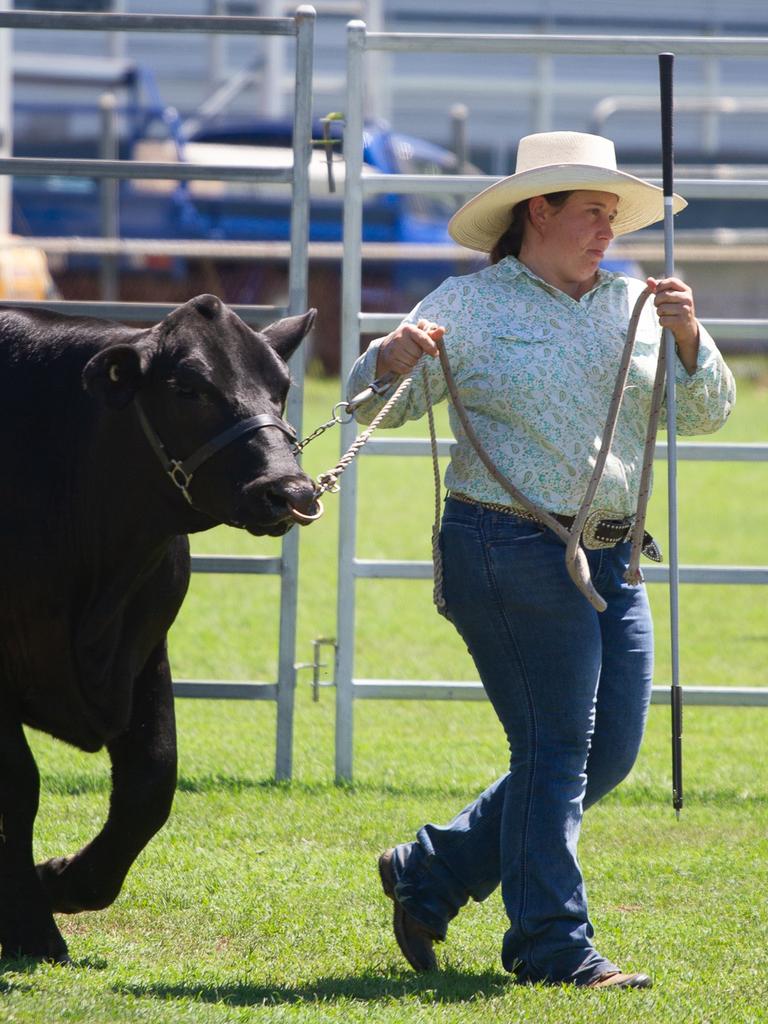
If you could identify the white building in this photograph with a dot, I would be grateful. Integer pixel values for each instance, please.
(506, 95)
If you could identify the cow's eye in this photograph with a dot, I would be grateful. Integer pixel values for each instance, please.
(187, 390)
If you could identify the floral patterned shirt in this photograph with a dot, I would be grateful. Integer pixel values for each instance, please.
(536, 370)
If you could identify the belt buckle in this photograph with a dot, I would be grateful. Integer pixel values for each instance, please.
(589, 536)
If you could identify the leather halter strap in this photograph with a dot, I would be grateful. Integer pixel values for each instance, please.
(182, 471)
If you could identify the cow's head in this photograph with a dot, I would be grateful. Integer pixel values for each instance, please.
(210, 393)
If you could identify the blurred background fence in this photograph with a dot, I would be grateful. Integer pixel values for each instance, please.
(363, 43)
(223, 98)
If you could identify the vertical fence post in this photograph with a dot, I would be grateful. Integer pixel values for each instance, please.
(350, 345)
(6, 122)
(302, 153)
(666, 66)
(217, 50)
(459, 116)
(274, 66)
(712, 88)
(302, 27)
(109, 199)
(297, 302)
(117, 39)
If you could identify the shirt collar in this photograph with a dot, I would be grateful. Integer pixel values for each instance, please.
(512, 268)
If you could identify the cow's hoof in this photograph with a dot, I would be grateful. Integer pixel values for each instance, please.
(56, 885)
(50, 948)
(70, 888)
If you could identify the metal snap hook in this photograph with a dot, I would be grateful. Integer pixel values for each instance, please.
(337, 417)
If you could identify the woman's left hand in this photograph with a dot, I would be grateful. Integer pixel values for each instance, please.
(676, 310)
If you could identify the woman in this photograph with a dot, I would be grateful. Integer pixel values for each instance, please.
(534, 342)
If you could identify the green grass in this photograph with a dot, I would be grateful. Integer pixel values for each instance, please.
(259, 902)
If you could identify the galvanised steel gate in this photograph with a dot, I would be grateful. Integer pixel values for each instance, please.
(300, 27)
(354, 323)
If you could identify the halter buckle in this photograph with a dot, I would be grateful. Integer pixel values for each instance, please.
(180, 477)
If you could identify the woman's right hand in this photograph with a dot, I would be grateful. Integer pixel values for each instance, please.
(402, 349)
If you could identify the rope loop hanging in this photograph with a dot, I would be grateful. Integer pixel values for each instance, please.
(575, 556)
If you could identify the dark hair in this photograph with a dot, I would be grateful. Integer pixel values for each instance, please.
(511, 241)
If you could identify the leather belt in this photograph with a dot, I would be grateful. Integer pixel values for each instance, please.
(603, 529)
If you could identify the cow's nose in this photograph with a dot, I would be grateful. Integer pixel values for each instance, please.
(290, 497)
(300, 495)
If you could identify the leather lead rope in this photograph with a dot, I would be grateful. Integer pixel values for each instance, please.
(576, 559)
(606, 441)
(575, 556)
(437, 555)
(633, 574)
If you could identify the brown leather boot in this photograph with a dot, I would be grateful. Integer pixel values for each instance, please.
(615, 979)
(414, 939)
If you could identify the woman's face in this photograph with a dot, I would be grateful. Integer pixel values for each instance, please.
(573, 237)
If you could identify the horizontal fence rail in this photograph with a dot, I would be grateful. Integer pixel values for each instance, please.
(755, 575)
(471, 184)
(252, 565)
(190, 247)
(64, 167)
(140, 312)
(425, 689)
(75, 21)
(701, 247)
(691, 451)
(573, 45)
(225, 689)
(757, 330)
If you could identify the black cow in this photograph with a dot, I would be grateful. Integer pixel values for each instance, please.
(114, 444)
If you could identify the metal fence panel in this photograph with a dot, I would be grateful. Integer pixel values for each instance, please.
(354, 322)
(301, 26)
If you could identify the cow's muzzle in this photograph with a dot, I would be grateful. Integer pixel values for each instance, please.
(272, 505)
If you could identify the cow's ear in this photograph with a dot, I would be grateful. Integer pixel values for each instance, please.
(114, 374)
(286, 335)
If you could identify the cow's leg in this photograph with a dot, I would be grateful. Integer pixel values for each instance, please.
(27, 927)
(143, 784)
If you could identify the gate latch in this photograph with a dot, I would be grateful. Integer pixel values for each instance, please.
(316, 664)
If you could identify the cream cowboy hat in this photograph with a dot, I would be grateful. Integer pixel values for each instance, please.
(555, 162)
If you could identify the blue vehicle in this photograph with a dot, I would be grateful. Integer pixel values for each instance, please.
(69, 126)
(148, 130)
(216, 210)
(234, 211)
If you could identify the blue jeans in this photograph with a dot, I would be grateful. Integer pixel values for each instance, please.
(571, 688)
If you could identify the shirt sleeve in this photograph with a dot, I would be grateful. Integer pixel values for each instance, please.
(705, 397)
(413, 404)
